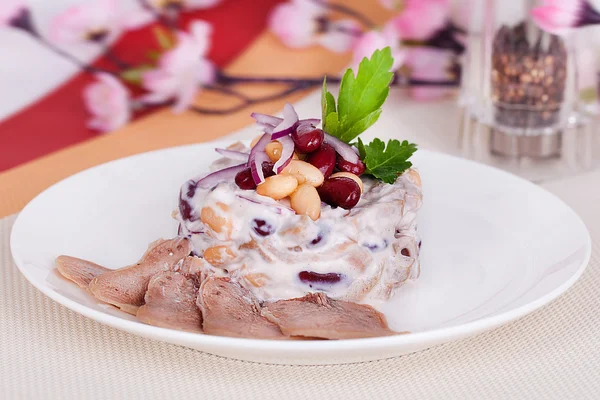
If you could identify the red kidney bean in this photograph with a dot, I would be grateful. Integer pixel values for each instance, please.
(315, 277)
(340, 192)
(347, 166)
(323, 159)
(244, 180)
(262, 227)
(307, 138)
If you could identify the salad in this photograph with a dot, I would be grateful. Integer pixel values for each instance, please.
(301, 234)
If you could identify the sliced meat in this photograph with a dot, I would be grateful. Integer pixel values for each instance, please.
(126, 287)
(170, 302)
(230, 310)
(316, 315)
(79, 271)
(193, 265)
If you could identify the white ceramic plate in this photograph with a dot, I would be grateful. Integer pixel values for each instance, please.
(495, 248)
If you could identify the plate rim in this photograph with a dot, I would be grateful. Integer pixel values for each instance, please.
(233, 343)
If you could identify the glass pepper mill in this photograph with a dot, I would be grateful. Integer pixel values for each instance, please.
(520, 95)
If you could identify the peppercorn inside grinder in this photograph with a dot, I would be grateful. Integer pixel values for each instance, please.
(528, 89)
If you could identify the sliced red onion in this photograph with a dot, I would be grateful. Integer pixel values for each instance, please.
(256, 167)
(290, 120)
(225, 174)
(311, 121)
(287, 152)
(264, 119)
(258, 157)
(343, 149)
(233, 154)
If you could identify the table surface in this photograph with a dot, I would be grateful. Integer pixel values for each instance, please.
(47, 351)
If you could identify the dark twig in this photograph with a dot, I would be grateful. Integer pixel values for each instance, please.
(24, 22)
(324, 24)
(170, 23)
(226, 90)
(298, 84)
(85, 67)
(398, 80)
(112, 57)
(249, 102)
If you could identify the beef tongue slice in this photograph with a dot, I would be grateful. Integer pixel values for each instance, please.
(79, 271)
(230, 310)
(126, 287)
(170, 302)
(317, 316)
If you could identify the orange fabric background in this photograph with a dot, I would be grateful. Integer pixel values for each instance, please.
(164, 129)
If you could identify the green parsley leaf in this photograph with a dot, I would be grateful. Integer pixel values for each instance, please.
(360, 98)
(358, 108)
(327, 101)
(386, 162)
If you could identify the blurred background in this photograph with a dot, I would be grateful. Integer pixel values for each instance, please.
(75, 71)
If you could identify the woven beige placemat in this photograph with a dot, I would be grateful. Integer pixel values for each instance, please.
(49, 352)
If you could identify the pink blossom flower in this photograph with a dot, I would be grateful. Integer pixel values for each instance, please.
(373, 40)
(420, 19)
(108, 101)
(294, 24)
(558, 16)
(182, 70)
(430, 64)
(303, 23)
(340, 35)
(10, 10)
(99, 21)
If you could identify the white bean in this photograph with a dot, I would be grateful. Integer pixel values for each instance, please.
(278, 186)
(306, 201)
(304, 173)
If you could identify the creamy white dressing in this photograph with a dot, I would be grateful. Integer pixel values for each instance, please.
(373, 248)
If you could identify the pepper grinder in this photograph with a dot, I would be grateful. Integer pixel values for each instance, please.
(520, 95)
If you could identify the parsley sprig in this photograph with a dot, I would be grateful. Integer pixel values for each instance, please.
(386, 162)
(360, 99)
(358, 108)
